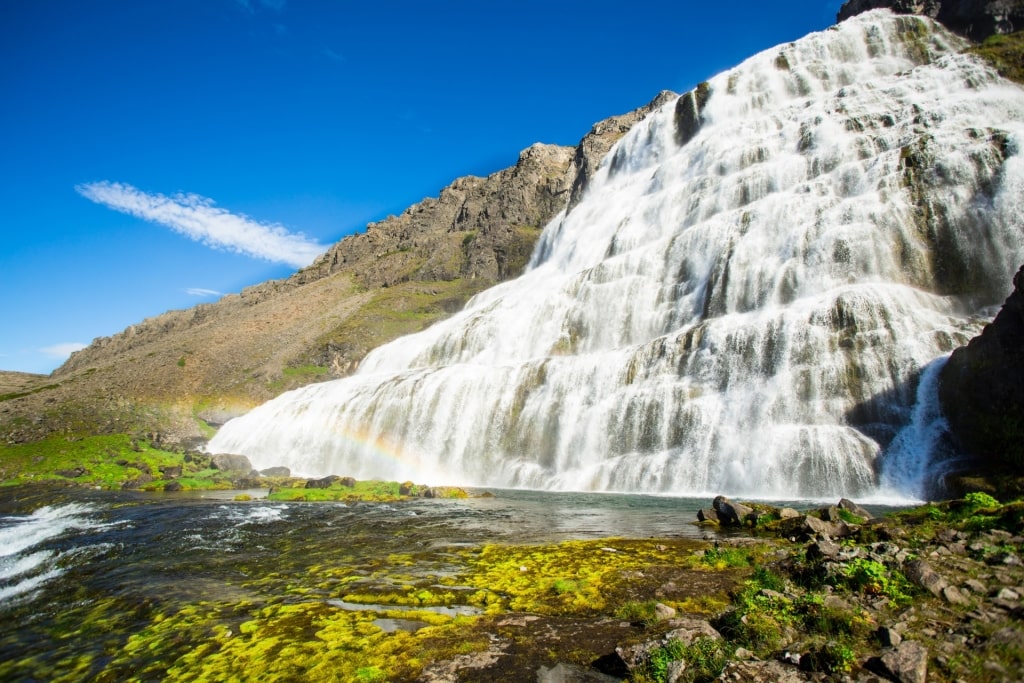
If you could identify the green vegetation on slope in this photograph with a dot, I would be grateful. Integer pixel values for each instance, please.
(1005, 53)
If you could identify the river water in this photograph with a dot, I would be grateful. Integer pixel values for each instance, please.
(81, 571)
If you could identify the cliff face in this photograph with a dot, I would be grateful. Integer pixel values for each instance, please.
(982, 388)
(399, 276)
(976, 19)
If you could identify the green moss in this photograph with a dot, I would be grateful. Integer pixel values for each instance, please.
(1005, 53)
(103, 461)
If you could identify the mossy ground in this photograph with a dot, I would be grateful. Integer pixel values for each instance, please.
(98, 461)
(1005, 53)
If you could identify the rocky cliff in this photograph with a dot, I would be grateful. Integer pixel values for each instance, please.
(976, 19)
(400, 275)
(982, 388)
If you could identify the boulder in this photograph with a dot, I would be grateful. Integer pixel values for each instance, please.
(907, 663)
(171, 471)
(730, 513)
(322, 483)
(276, 472)
(230, 462)
(683, 630)
(854, 509)
(920, 573)
(707, 515)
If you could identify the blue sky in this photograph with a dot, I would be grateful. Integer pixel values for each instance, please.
(157, 153)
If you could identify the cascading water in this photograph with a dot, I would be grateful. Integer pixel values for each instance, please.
(742, 303)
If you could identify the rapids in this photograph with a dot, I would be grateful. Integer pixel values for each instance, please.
(744, 302)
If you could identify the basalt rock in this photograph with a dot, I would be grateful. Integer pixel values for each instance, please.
(730, 513)
(982, 388)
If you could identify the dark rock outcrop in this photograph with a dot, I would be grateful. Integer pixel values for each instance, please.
(982, 388)
(976, 19)
(598, 142)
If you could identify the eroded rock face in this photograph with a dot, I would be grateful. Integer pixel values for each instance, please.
(976, 19)
(982, 388)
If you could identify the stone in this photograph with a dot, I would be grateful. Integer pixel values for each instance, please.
(763, 672)
(1007, 594)
(707, 515)
(953, 596)
(854, 509)
(406, 488)
(788, 513)
(230, 462)
(72, 473)
(683, 630)
(276, 472)
(663, 612)
(322, 483)
(347, 482)
(571, 673)
(921, 574)
(888, 636)
(730, 513)
(908, 663)
(171, 471)
(172, 486)
(823, 549)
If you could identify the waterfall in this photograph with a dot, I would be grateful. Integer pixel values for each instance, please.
(743, 302)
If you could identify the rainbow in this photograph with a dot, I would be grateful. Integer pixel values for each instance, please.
(404, 462)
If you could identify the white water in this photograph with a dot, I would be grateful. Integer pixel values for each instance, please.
(24, 566)
(748, 313)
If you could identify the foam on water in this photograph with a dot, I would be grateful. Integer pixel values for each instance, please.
(25, 563)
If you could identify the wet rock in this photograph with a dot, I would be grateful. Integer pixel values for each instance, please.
(707, 515)
(230, 462)
(908, 663)
(406, 488)
(920, 573)
(348, 482)
(730, 513)
(276, 472)
(172, 486)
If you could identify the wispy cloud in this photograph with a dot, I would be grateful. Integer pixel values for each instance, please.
(334, 56)
(62, 351)
(251, 5)
(199, 291)
(198, 218)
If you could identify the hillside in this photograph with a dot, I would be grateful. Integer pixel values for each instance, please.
(400, 275)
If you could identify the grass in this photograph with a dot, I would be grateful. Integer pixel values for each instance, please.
(1005, 53)
(100, 461)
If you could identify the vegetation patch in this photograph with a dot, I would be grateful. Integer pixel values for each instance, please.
(1005, 53)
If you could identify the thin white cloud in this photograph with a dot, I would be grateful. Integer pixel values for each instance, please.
(198, 218)
(250, 6)
(199, 291)
(62, 351)
(334, 56)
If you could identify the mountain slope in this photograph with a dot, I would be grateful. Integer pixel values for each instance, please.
(399, 276)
